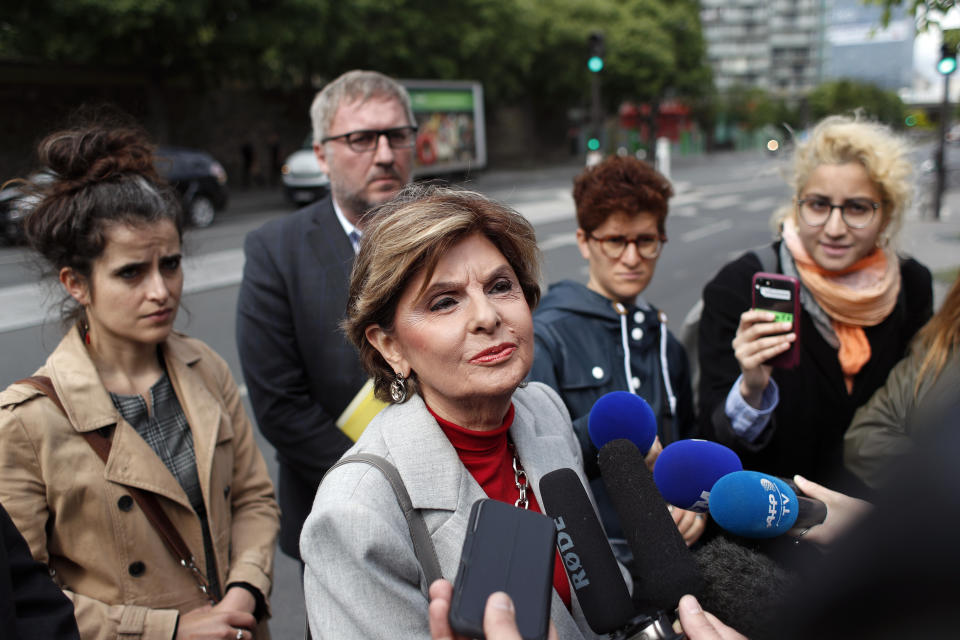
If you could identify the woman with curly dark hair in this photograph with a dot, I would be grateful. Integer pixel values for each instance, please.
(127, 461)
(604, 336)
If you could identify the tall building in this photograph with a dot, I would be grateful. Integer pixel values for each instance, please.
(777, 45)
(860, 49)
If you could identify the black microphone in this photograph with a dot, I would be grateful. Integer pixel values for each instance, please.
(593, 571)
(743, 588)
(667, 568)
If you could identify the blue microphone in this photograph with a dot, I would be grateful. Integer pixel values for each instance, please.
(686, 471)
(756, 505)
(622, 415)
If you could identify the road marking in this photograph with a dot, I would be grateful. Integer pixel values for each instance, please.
(737, 186)
(558, 240)
(687, 198)
(14, 256)
(709, 230)
(548, 211)
(760, 204)
(723, 202)
(29, 305)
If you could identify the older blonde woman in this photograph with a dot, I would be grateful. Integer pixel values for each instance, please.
(441, 297)
(861, 305)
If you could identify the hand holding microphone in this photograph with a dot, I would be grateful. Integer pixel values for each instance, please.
(623, 415)
(843, 512)
(702, 625)
(757, 505)
(690, 524)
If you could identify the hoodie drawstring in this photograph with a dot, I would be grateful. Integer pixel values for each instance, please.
(664, 367)
(622, 312)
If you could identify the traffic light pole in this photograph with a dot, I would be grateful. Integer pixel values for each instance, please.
(941, 169)
(596, 113)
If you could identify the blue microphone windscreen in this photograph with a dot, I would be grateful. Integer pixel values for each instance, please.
(622, 415)
(686, 471)
(753, 504)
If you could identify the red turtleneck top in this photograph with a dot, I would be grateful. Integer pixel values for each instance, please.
(488, 456)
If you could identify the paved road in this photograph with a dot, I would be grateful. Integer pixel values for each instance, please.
(721, 209)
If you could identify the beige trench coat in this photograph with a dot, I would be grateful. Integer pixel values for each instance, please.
(76, 514)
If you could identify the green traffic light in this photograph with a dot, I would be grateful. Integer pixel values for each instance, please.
(595, 64)
(910, 121)
(593, 144)
(947, 65)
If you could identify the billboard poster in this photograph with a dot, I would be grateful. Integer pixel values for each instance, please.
(451, 135)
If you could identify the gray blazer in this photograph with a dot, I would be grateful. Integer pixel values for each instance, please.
(362, 579)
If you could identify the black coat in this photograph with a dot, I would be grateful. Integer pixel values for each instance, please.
(31, 605)
(805, 434)
(299, 368)
(579, 353)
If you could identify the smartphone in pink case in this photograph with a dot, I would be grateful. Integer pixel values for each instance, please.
(780, 294)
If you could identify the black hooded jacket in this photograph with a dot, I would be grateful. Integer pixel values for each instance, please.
(579, 337)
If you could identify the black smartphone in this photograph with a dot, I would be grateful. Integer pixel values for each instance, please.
(506, 549)
(780, 294)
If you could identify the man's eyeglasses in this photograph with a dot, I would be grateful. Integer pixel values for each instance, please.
(367, 139)
(648, 245)
(856, 213)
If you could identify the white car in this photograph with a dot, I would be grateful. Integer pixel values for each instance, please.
(303, 181)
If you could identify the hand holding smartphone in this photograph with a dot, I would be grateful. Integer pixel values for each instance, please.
(506, 549)
(780, 295)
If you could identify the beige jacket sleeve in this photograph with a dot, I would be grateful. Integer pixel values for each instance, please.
(22, 493)
(255, 514)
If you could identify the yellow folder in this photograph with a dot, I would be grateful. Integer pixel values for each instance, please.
(360, 412)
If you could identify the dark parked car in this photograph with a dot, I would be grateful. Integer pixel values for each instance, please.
(198, 178)
(15, 205)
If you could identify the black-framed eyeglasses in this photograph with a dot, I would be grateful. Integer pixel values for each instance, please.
(648, 245)
(367, 139)
(856, 213)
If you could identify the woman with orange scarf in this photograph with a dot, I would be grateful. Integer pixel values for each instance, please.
(861, 304)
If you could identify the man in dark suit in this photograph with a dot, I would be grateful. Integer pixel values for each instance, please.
(299, 369)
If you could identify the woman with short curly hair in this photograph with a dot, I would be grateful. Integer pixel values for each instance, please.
(605, 336)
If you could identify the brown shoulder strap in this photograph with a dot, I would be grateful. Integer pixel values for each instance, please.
(148, 502)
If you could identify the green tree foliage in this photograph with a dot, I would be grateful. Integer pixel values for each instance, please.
(516, 48)
(654, 48)
(928, 13)
(842, 96)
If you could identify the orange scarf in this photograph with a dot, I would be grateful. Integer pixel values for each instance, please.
(860, 296)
